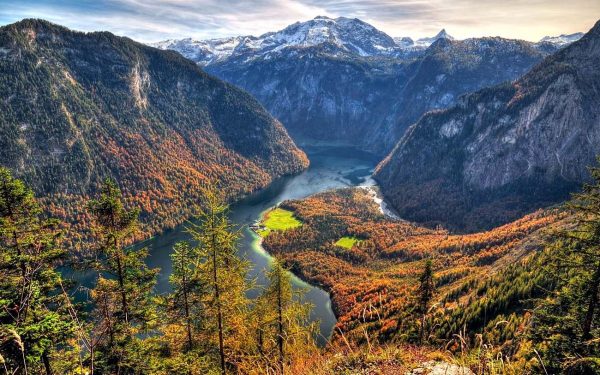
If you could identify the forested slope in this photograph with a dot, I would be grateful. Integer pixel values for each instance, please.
(78, 107)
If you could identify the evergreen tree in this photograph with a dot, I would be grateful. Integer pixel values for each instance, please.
(284, 330)
(425, 292)
(34, 320)
(567, 324)
(185, 304)
(123, 293)
(223, 275)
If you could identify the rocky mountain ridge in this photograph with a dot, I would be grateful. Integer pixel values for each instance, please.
(343, 34)
(505, 150)
(370, 87)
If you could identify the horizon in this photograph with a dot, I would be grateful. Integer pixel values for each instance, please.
(156, 21)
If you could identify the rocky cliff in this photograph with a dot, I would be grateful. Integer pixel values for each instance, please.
(505, 150)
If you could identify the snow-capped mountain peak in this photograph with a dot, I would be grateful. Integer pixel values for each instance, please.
(407, 43)
(426, 42)
(562, 40)
(443, 34)
(350, 35)
(404, 42)
(333, 36)
(343, 34)
(207, 51)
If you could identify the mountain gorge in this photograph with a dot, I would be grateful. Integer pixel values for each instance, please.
(370, 87)
(502, 151)
(156, 218)
(79, 107)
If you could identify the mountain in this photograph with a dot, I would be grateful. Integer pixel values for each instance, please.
(342, 35)
(412, 48)
(426, 42)
(404, 42)
(502, 151)
(205, 52)
(446, 70)
(562, 40)
(78, 107)
(343, 80)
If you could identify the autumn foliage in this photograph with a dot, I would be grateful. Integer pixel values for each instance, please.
(373, 284)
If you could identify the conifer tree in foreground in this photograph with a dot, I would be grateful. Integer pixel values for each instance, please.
(425, 294)
(123, 294)
(566, 325)
(183, 336)
(284, 329)
(34, 321)
(223, 276)
(185, 304)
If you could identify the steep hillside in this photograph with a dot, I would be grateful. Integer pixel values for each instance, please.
(502, 151)
(447, 70)
(78, 107)
(342, 79)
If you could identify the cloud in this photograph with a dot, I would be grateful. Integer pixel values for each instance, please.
(152, 20)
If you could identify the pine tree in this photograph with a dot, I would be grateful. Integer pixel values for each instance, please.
(425, 293)
(567, 324)
(33, 309)
(223, 275)
(285, 331)
(185, 304)
(123, 293)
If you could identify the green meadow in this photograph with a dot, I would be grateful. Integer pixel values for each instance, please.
(278, 219)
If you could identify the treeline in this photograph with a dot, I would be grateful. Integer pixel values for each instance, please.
(205, 325)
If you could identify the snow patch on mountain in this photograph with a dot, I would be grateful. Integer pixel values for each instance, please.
(335, 37)
(562, 40)
(426, 42)
(343, 34)
(408, 44)
(205, 51)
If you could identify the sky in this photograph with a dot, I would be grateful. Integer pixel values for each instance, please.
(153, 20)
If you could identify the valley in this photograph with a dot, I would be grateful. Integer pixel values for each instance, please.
(342, 79)
(503, 151)
(331, 167)
(83, 106)
(373, 280)
(320, 199)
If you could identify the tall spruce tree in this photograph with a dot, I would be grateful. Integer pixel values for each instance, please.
(223, 275)
(34, 320)
(185, 304)
(284, 330)
(123, 293)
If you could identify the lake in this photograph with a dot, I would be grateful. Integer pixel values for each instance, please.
(331, 167)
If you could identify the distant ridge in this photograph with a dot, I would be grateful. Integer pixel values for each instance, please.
(343, 80)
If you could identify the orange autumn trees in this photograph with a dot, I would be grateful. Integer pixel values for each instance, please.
(161, 140)
(373, 284)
